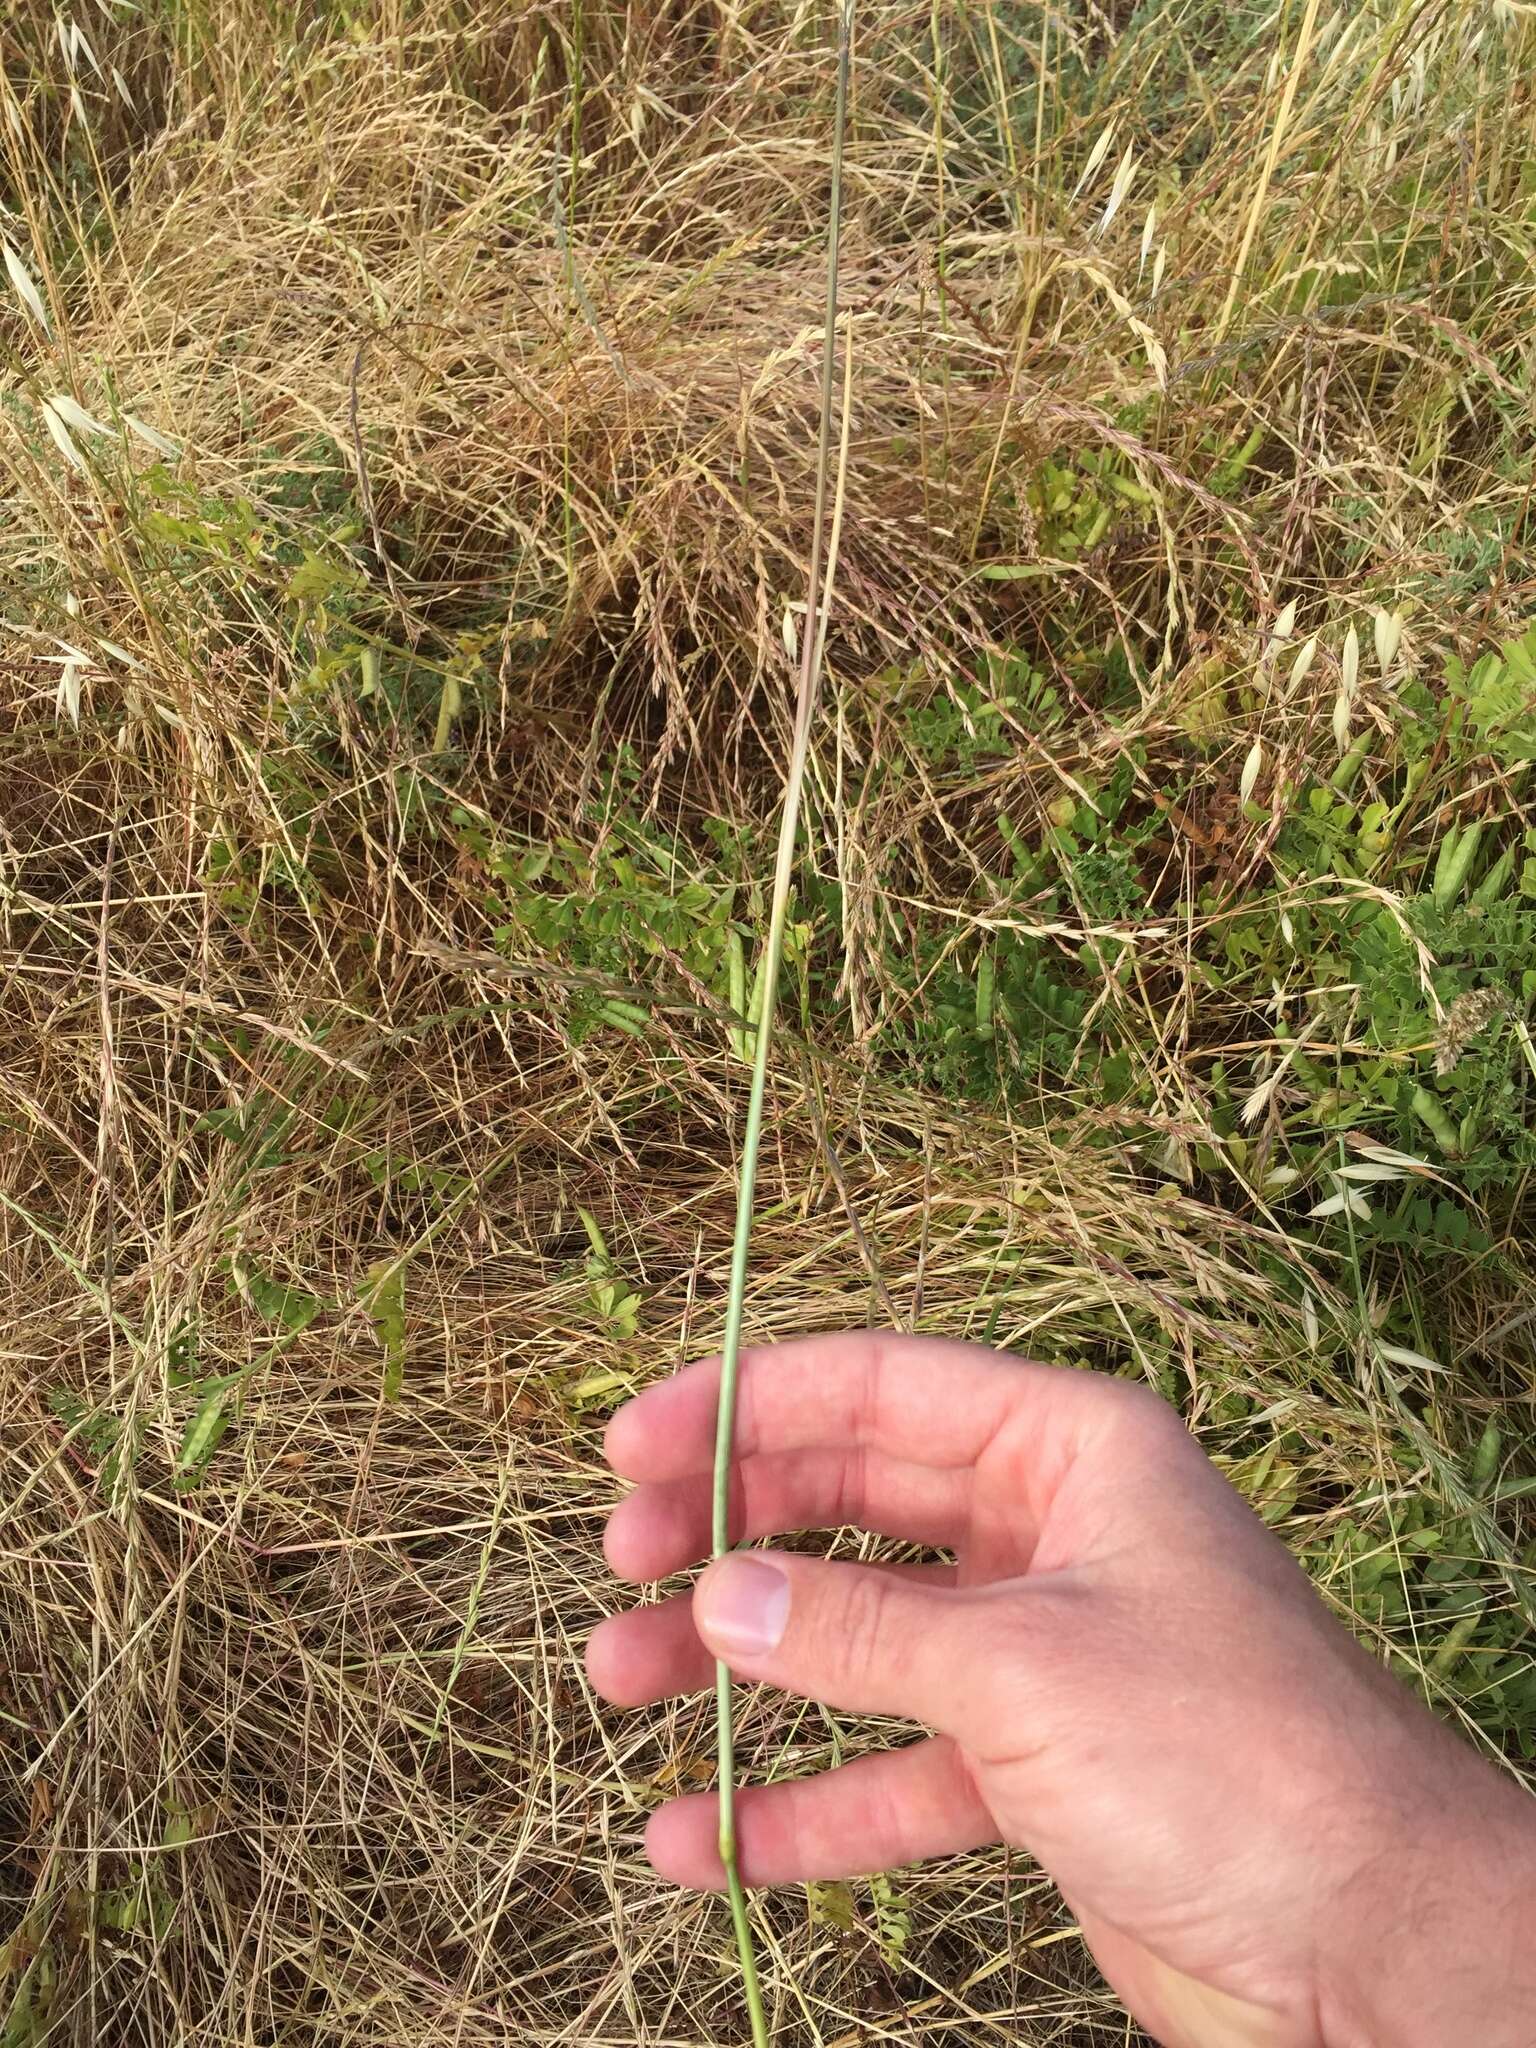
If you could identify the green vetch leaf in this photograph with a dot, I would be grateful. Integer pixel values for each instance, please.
(276, 1302)
(832, 1905)
(383, 1296)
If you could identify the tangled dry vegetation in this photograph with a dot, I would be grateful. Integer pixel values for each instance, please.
(407, 441)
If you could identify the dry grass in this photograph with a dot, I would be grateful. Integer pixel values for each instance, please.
(489, 341)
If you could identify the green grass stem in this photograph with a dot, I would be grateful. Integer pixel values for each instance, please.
(812, 640)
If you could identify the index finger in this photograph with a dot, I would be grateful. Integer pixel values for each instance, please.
(923, 1399)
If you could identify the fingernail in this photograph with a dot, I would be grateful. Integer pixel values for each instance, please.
(742, 1606)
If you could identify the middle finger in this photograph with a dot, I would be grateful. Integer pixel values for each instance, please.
(665, 1526)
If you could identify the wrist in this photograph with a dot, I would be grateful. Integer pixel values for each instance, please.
(1437, 1948)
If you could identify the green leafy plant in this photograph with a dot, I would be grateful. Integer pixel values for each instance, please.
(893, 1920)
(835, 1905)
(614, 1302)
(105, 1441)
(1499, 695)
(382, 1295)
(1412, 1572)
(612, 911)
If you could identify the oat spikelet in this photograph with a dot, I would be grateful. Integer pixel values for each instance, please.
(1469, 1015)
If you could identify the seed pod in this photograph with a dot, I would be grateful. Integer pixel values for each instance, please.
(1455, 864)
(986, 988)
(1344, 776)
(1449, 1653)
(1485, 1459)
(1494, 883)
(1430, 1112)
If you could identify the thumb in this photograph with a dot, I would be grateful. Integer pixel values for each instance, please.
(853, 1637)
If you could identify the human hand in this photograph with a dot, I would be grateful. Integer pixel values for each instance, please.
(1267, 1841)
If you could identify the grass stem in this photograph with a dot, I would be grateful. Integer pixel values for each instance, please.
(818, 589)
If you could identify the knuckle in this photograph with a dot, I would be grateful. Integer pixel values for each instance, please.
(1146, 1417)
(849, 1486)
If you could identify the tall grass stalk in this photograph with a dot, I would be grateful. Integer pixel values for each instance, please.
(812, 640)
